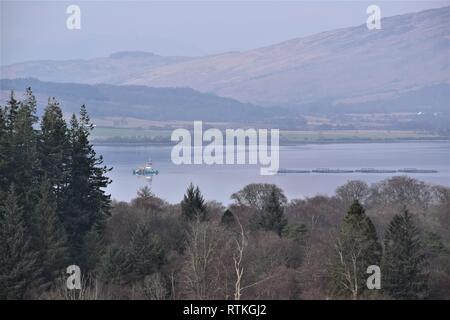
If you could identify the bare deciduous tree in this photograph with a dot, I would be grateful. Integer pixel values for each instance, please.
(241, 243)
(200, 273)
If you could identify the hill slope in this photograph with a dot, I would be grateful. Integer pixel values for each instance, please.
(116, 68)
(159, 104)
(347, 66)
(402, 67)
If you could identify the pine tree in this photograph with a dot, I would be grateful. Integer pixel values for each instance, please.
(4, 154)
(271, 217)
(115, 265)
(146, 252)
(11, 111)
(357, 248)
(404, 262)
(24, 153)
(17, 146)
(18, 262)
(93, 248)
(50, 237)
(85, 200)
(54, 150)
(147, 202)
(8, 120)
(228, 218)
(193, 205)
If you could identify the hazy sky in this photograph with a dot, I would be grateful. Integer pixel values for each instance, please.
(32, 30)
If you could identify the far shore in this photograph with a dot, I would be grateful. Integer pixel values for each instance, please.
(162, 137)
(282, 143)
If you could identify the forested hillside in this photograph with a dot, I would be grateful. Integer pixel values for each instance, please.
(143, 102)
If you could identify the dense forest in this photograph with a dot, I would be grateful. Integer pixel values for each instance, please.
(157, 104)
(54, 212)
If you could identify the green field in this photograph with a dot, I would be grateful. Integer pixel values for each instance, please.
(101, 133)
(135, 135)
(350, 135)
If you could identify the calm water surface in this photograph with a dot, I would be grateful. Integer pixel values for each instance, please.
(218, 182)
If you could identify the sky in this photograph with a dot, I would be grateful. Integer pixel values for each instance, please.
(36, 30)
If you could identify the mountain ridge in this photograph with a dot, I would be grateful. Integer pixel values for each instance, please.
(401, 53)
(339, 68)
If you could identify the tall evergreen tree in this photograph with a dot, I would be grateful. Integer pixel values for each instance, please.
(193, 205)
(94, 247)
(17, 146)
(85, 200)
(54, 150)
(11, 111)
(24, 153)
(4, 153)
(50, 238)
(146, 252)
(357, 248)
(271, 217)
(147, 202)
(18, 262)
(404, 261)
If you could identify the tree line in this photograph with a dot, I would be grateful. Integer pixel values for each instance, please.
(52, 197)
(266, 247)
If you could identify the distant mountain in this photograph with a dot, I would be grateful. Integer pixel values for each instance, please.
(347, 66)
(116, 68)
(402, 67)
(159, 104)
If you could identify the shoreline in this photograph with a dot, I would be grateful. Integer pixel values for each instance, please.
(282, 143)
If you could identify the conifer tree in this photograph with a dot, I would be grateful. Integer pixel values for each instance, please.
(357, 248)
(11, 111)
(24, 153)
(93, 249)
(271, 217)
(50, 237)
(54, 150)
(4, 153)
(193, 205)
(147, 202)
(18, 156)
(228, 218)
(146, 252)
(18, 262)
(404, 262)
(85, 200)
